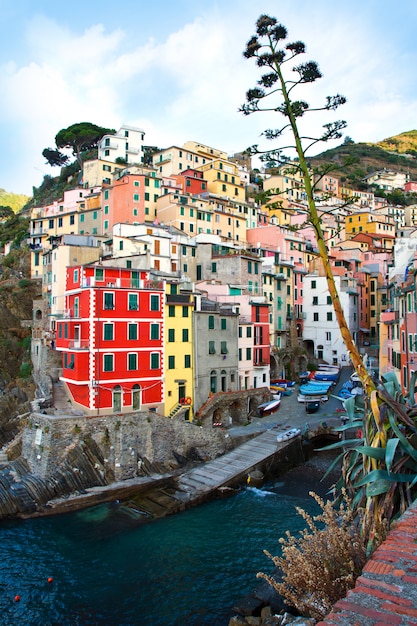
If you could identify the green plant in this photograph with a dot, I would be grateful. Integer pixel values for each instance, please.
(25, 370)
(390, 433)
(322, 564)
(76, 430)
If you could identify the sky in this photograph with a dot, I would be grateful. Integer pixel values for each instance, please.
(175, 69)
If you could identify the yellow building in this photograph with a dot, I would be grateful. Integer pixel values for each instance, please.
(370, 223)
(178, 348)
(223, 179)
(195, 215)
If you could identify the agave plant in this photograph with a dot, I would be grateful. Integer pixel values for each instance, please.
(380, 467)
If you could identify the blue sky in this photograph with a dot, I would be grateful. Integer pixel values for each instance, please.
(176, 70)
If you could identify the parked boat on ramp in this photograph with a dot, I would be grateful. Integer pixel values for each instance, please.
(269, 407)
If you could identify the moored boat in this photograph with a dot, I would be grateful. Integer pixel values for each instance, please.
(269, 407)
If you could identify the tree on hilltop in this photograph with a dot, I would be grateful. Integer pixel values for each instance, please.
(79, 138)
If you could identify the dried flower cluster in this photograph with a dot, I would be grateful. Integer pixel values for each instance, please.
(321, 564)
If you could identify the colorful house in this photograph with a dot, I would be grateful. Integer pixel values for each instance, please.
(111, 339)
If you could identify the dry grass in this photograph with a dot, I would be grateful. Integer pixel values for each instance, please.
(320, 565)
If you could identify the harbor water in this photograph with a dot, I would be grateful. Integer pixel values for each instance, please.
(109, 568)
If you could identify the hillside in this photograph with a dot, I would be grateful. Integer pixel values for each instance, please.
(14, 200)
(355, 160)
(405, 143)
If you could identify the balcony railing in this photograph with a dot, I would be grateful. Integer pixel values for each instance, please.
(79, 344)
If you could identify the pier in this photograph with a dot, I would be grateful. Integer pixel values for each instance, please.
(156, 496)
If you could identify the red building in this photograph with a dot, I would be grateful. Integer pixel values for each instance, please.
(111, 339)
(261, 345)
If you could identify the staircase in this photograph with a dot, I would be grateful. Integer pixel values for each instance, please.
(61, 401)
(176, 410)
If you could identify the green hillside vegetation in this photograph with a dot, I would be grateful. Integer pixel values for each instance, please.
(17, 293)
(405, 143)
(353, 161)
(15, 201)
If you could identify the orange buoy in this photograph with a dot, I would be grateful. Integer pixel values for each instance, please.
(50, 579)
(17, 598)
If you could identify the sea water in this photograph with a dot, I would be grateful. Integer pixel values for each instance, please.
(111, 569)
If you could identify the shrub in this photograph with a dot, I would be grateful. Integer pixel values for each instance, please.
(25, 370)
(321, 564)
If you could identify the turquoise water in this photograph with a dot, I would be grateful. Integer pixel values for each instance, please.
(108, 569)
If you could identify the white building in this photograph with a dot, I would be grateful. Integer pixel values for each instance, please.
(126, 144)
(321, 332)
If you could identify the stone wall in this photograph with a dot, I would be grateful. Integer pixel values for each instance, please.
(129, 444)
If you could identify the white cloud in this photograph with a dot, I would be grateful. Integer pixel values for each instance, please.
(190, 84)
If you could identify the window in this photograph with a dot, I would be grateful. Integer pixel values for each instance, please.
(133, 302)
(108, 332)
(249, 331)
(240, 354)
(328, 336)
(329, 316)
(185, 335)
(212, 348)
(154, 303)
(223, 323)
(154, 360)
(313, 284)
(108, 300)
(211, 322)
(329, 300)
(154, 331)
(132, 331)
(185, 311)
(223, 347)
(187, 361)
(315, 300)
(51, 224)
(214, 267)
(171, 311)
(75, 279)
(171, 362)
(248, 354)
(171, 335)
(72, 220)
(315, 317)
(132, 361)
(108, 362)
(135, 197)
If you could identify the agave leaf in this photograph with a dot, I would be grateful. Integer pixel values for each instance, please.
(374, 453)
(390, 452)
(406, 444)
(349, 425)
(377, 488)
(411, 393)
(349, 405)
(391, 378)
(383, 475)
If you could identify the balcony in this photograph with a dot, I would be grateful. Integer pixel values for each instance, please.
(79, 344)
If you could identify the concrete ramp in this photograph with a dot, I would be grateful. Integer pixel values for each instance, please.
(237, 464)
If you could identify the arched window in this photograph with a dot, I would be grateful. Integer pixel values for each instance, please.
(136, 397)
(213, 381)
(223, 380)
(117, 399)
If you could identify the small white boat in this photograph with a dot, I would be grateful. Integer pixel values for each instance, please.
(269, 407)
(288, 434)
(312, 397)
